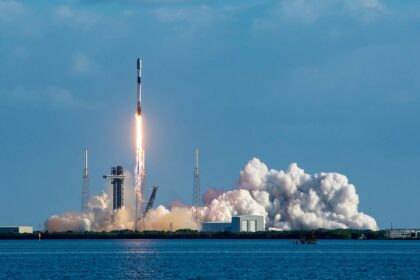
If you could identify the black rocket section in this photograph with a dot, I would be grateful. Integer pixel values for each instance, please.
(138, 86)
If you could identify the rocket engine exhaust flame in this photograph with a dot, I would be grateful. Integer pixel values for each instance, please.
(288, 200)
(101, 217)
(139, 172)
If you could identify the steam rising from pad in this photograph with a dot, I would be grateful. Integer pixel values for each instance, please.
(290, 199)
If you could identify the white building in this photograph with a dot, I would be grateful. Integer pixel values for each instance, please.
(402, 233)
(248, 223)
(245, 223)
(17, 229)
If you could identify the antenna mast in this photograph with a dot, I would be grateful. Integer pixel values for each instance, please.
(85, 190)
(196, 189)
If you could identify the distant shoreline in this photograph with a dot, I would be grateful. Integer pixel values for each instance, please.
(321, 234)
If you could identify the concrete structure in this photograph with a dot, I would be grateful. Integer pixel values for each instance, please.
(17, 229)
(248, 223)
(245, 223)
(216, 226)
(402, 233)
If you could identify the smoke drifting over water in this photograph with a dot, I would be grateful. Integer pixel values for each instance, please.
(288, 199)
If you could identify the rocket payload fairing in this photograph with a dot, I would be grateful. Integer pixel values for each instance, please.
(138, 86)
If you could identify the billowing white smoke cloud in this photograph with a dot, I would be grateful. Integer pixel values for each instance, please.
(291, 199)
(101, 216)
(161, 218)
(288, 199)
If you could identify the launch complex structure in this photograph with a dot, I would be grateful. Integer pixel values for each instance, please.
(117, 175)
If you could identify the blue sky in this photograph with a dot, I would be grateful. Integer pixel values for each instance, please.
(332, 85)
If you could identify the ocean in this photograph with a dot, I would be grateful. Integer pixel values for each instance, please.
(208, 259)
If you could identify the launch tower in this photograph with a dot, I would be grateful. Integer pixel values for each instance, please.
(85, 189)
(117, 180)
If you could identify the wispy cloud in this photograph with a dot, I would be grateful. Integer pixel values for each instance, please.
(83, 65)
(79, 18)
(10, 9)
(201, 15)
(54, 97)
(361, 75)
(135, 1)
(62, 98)
(307, 12)
(367, 11)
(191, 17)
(18, 20)
(303, 11)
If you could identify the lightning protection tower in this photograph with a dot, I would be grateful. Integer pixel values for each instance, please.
(85, 189)
(196, 189)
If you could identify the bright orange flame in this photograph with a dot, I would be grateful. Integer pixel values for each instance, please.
(139, 133)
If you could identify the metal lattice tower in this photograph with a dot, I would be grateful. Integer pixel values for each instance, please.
(85, 189)
(151, 200)
(196, 189)
(117, 180)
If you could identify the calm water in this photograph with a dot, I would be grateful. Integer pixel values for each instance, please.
(208, 259)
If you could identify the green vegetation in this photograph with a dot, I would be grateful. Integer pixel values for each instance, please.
(192, 234)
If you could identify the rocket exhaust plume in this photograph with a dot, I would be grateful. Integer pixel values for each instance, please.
(288, 200)
(139, 171)
(100, 215)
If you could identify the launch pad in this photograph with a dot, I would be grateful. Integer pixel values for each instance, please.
(117, 175)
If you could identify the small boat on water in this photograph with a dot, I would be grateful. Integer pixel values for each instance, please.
(309, 239)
